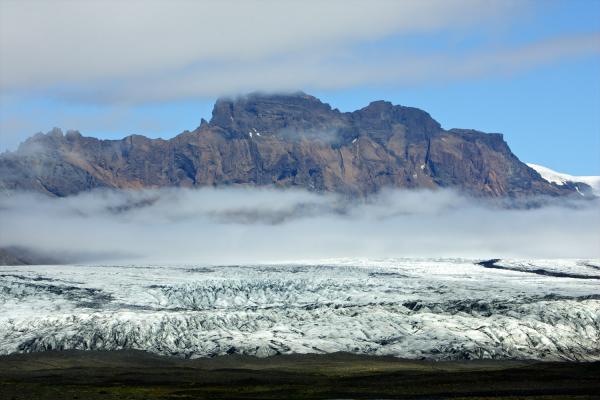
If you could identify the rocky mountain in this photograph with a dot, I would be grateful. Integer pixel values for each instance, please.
(291, 140)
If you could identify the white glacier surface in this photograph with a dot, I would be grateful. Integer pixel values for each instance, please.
(411, 308)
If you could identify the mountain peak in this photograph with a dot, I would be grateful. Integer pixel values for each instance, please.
(380, 117)
(257, 101)
(272, 113)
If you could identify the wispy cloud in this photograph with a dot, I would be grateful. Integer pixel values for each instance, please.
(140, 51)
(253, 225)
(155, 50)
(341, 70)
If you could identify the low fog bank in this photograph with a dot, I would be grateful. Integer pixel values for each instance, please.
(248, 225)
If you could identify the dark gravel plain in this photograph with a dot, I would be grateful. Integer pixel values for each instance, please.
(139, 375)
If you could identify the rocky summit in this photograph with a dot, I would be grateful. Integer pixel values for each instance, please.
(284, 140)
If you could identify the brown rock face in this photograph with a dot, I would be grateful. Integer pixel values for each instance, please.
(284, 141)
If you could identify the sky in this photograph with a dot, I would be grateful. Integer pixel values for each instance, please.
(527, 69)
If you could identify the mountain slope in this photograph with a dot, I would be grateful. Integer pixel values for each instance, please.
(568, 180)
(291, 140)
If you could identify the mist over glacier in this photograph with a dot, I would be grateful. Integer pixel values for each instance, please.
(245, 225)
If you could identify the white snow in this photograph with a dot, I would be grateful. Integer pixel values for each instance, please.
(250, 134)
(354, 140)
(561, 178)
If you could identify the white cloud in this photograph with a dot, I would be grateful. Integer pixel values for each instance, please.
(253, 225)
(140, 51)
(343, 70)
(277, 44)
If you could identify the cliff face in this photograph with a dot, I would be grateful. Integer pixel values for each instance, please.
(282, 140)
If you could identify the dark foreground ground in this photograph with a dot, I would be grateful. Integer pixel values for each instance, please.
(138, 375)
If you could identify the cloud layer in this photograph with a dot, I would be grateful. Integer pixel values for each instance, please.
(145, 51)
(261, 225)
(101, 39)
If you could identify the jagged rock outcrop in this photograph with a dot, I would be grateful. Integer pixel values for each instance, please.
(282, 140)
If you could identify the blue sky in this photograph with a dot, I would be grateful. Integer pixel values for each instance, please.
(527, 69)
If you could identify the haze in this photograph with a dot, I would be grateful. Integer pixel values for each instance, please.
(244, 225)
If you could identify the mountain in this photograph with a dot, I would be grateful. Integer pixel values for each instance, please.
(284, 140)
(23, 256)
(561, 179)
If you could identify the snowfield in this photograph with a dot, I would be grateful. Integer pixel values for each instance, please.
(432, 309)
(562, 179)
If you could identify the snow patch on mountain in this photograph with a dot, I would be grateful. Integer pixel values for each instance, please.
(562, 179)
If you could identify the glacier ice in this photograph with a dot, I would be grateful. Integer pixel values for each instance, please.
(411, 308)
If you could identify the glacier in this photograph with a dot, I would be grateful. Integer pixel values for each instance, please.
(438, 309)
